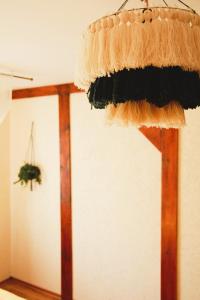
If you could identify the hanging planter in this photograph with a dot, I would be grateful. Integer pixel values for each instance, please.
(29, 172)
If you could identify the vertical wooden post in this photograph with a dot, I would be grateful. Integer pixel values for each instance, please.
(169, 144)
(66, 210)
(166, 141)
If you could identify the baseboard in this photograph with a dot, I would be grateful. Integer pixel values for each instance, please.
(33, 286)
(2, 282)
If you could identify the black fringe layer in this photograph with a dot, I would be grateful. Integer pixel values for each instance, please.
(158, 86)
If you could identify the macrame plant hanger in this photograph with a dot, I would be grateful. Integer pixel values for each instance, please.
(142, 65)
(30, 154)
(29, 172)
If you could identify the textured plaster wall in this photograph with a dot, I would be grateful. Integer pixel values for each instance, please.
(189, 209)
(4, 201)
(35, 235)
(116, 209)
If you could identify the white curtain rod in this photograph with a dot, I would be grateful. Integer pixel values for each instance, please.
(16, 76)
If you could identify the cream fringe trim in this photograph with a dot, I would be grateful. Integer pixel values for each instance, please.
(145, 114)
(136, 39)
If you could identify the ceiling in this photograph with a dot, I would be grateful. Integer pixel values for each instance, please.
(41, 38)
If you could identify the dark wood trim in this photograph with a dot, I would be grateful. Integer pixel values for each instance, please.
(66, 209)
(12, 281)
(153, 135)
(170, 142)
(166, 141)
(50, 90)
(34, 287)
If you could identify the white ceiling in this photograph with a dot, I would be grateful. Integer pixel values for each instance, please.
(40, 38)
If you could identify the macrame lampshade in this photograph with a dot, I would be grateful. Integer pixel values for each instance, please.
(142, 65)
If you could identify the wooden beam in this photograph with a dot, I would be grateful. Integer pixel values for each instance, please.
(50, 90)
(165, 140)
(169, 142)
(153, 135)
(66, 209)
(27, 290)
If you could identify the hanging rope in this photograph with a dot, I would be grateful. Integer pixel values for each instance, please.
(165, 3)
(123, 5)
(30, 154)
(126, 1)
(147, 4)
(29, 172)
(186, 5)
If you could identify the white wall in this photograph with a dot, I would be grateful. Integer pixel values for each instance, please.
(111, 221)
(4, 201)
(35, 251)
(116, 176)
(108, 226)
(189, 209)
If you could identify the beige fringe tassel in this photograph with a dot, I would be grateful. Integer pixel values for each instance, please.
(135, 39)
(143, 113)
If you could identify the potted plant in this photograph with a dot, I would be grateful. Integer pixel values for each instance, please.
(29, 172)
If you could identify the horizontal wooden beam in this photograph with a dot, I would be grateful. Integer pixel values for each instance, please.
(48, 90)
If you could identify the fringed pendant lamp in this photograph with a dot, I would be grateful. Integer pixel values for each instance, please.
(142, 65)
